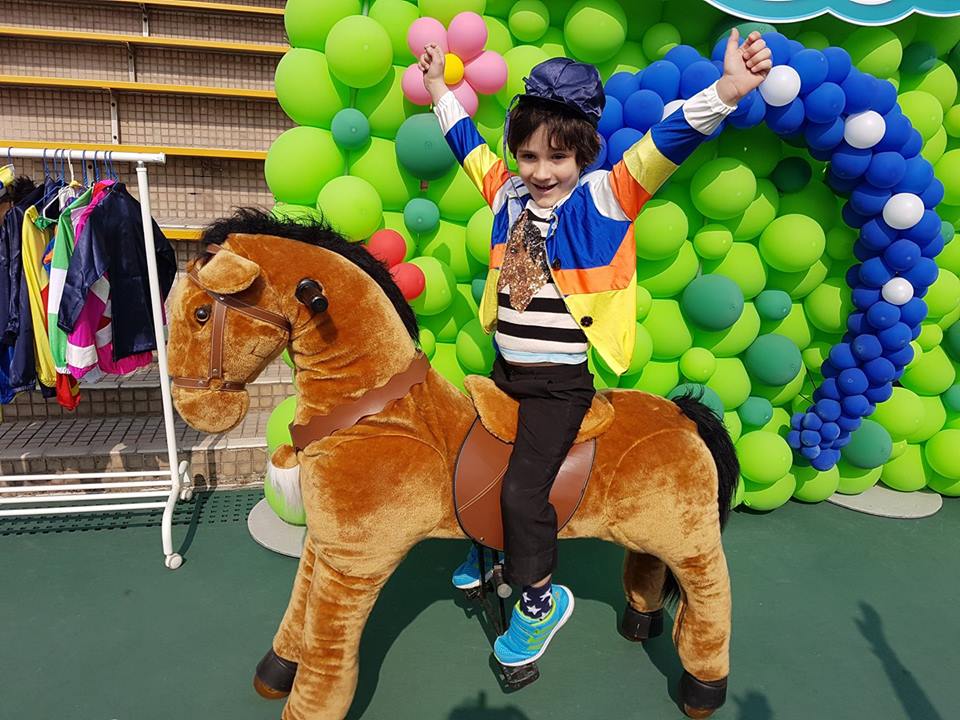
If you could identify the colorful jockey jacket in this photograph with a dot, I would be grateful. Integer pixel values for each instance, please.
(590, 246)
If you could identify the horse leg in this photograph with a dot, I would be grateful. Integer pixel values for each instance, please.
(643, 578)
(275, 672)
(336, 609)
(701, 631)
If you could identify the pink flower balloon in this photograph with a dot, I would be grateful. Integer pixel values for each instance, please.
(426, 30)
(412, 86)
(467, 97)
(467, 35)
(487, 72)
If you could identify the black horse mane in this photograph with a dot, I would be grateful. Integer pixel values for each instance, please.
(256, 222)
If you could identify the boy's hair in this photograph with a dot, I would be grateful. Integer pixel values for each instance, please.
(565, 129)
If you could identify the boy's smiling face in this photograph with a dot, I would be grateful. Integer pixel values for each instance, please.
(549, 173)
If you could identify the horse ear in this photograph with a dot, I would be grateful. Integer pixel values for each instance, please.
(227, 273)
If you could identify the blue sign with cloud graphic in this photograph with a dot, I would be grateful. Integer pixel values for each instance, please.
(863, 12)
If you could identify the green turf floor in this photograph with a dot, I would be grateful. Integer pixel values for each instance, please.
(836, 616)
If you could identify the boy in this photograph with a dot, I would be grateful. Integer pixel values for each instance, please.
(562, 278)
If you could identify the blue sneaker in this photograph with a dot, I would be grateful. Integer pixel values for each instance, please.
(527, 639)
(467, 576)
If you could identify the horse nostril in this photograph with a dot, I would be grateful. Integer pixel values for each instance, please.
(310, 293)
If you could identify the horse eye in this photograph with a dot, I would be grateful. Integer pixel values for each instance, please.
(202, 313)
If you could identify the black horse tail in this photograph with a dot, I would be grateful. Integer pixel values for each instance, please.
(717, 439)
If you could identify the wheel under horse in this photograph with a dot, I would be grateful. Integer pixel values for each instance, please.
(377, 436)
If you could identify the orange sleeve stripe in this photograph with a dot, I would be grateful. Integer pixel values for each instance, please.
(614, 276)
(631, 194)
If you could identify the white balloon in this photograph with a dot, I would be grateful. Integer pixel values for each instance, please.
(781, 86)
(864, 130)
(897, 291)
(671, 107)
(903, 211)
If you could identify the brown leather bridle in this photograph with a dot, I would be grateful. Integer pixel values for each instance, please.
(220, 305)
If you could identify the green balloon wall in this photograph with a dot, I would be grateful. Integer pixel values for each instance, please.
(741, 257)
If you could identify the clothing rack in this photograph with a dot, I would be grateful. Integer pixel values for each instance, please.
(173, 484)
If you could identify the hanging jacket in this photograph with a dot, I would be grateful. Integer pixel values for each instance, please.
(62, 252)
(117, 247)
(34, 243)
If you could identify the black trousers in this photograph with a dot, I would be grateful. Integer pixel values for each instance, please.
(553, 401)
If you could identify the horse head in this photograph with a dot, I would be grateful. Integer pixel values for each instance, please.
(264, 285)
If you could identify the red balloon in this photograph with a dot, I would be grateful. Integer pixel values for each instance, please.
(387, 246)
(409, 278)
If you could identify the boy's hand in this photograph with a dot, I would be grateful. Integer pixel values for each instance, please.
(744, 67)
(432, 64)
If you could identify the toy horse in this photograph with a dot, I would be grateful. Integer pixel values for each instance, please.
(378, 433)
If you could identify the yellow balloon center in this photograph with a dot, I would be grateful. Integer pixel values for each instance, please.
(453, 71)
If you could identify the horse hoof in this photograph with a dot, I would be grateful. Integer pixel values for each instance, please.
(701, 698)
(520, 676)
(638, 626)
(274, 676)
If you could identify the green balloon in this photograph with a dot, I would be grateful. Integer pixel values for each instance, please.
(943, 485)
(758, 215)
(855, 480)
(477, 286)
(758, 148)
(794, 326)
(875, 50)
(931, 374)
(764, 457)
(773, 305)
(694, 19)
(396, 16)
(901, 415)
(779, 423)
(444, 361)
(702, 393)
(951, 341)
(446, 10)
(764, 498)
(731, 382)
(814, 486)
(447, 323)
(475, 351)
(376, 163)
(734, 428)
(679, 194)
(743, 265)
(698, 364)
(840, 240)
(308, 22)
(943, 297)
(924, 111)
(352, 207)
(691, 166)
(384, 105)
(660, 230)
(595, 30)
(490, 121)
(800, 284)
(773, 359)
(448, 243)
(422, 216)
(829, 305)
(870, 446)
(951, 121)
(359, 51)
(814, 355)
(934, 148)
(657, 378)
(791, 174)
(302, 214)
(660, 39)
(734, 340)
(670, 335)
(756, 411)
(629, 58)
(479, 232)
(422, 149)
(934, 418)
(528, 20)
(792, 243)
(816, 201)
(439, 290)
(520, 61)
(394, 221)
(665, 278)
(713, 241)
(951, 398)
(278, 424)
(939, 81)
(642, 351)
(300, 162)
(813, 40)
(498, 35)
(713, 302)
(906, 473)
(782, 394)
(306, 91)
(723, 188)
(428, 342)
(350, 128)
(455, 195)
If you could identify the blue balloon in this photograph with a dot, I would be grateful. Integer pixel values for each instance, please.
(913, 145)
(795, 47)
(885, 99)
(913, 311)
(811, 452)
(720, 48)
(840, 185)
(786, 119)
(862, 253)
(863, 298)
(830, 431)
(796, 420)
(839, 64)
(901, 255)
(793, 438)
(811, 421)
(684, 55)
(895, 337)
(824, 136)
(857, 323)
(810, 438)
(828, 410)
(643, 110)
(825, 103)
(883, 315)
(926, 229)
(879, 371)
(879, 394)
(924, 273)
(854, 406)
(601, 158)
(850, 162)
(754, 114)
(868, 199)
(934, 247)
(866, 347)
(621, 85)
(917, 177)
(611, 119)
(860, 89)
(811, 66)
(663, 78)
(620, 142)
(779, 47)
(896, 133)
(877, 234)
(841, 356)
(826, 460)
(886, 169)
(828, 389)
(852, 381)
(697, 76)
(899, 359)
(853, 218)
(933, 195)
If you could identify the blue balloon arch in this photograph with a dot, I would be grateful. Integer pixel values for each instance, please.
(851, 120)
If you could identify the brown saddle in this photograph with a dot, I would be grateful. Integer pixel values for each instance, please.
(483, 458)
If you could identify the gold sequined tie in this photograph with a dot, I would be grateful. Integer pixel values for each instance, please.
(524, 268)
